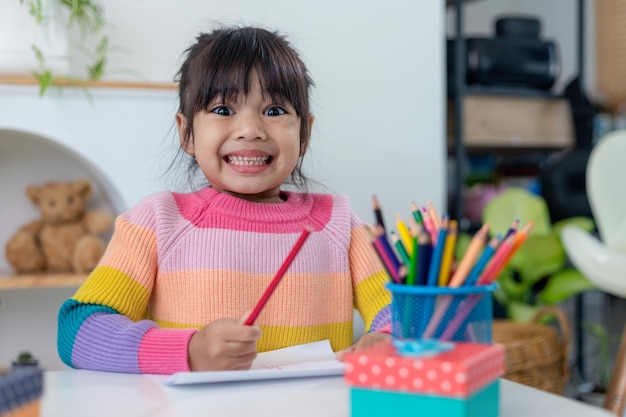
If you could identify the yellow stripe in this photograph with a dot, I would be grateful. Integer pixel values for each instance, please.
(113, 288)
(278, 337)
(370, 293)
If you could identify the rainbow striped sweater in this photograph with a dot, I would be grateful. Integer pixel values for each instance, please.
(176, 262)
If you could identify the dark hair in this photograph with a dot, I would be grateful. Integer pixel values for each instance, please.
(220, 64)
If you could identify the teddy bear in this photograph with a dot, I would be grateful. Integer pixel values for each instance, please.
(66, 237)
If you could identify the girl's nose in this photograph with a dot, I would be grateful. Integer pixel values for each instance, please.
(250, 126)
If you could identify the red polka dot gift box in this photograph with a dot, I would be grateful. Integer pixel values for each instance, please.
(459, 372)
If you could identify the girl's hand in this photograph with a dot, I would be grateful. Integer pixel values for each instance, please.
(224, 344)
(367, 340)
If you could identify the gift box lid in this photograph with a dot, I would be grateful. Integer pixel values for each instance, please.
(459, 372)
(19, 387)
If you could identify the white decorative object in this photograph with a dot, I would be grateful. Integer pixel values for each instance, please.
(19, 32)
(603, 260)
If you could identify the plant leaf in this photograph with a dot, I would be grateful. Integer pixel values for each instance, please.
(564, 285)
(516, 203)
(585, 223)
(521, 312)
(538, 257)
(510, 288)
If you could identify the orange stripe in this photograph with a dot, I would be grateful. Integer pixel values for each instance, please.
(132, 250)
(199, 297)
(364, 262)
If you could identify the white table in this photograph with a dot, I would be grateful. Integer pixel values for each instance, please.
(88, 393)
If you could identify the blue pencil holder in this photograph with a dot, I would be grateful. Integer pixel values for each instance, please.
(423, 313)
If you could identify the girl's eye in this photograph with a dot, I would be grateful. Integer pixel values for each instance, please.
(222, 111)
(275, 111)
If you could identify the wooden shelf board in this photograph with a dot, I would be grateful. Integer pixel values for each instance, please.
(15, 282)
(29, 80)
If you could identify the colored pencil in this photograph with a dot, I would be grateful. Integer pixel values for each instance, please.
(482, 261)
(459, 318)
(378, 213)
(279, 275)
(403, 272)
(520, 238)
(443, 303)
(517, 240)
(450, 303)
(471, 254)
(413, 264)
(382, 237)
(448, 253)
(415, 211)
(512, 229)
(429, 226)
(425, 250)
(382, 253)
(497, 261)
(434, 216)
(437, 256)
(405, 235)
(397, 243)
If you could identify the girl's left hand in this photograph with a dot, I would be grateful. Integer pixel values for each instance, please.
(367, 340)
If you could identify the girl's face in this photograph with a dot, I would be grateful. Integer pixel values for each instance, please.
(246, 147)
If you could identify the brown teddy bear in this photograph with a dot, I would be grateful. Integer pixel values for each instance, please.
(65, 239)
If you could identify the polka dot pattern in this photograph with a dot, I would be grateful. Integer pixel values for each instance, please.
(457, 373)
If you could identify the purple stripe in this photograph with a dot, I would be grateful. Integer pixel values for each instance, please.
(382, 319)
(109, 342)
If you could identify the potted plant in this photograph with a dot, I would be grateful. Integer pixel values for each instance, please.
(47, 32)
(25, 359)
(539, 273)
(602, 364)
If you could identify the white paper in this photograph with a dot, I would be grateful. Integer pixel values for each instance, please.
(311, 359)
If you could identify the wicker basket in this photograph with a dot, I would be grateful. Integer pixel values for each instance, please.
(536, 354)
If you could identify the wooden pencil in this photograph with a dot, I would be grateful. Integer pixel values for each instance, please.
(448, 253)
(378, 213)
(469, 258)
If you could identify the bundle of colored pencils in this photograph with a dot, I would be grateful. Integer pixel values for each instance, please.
(422, 251)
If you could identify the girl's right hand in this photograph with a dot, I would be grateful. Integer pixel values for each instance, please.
(224, 344)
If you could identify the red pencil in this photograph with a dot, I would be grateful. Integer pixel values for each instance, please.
(279, 275)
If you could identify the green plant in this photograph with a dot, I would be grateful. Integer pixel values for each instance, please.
(601, 353)
(89, 17)
(539, 273)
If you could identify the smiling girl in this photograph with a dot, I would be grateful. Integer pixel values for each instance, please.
(182, 271)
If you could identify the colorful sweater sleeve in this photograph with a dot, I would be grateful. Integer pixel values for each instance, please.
(104, 326)
(369, 277)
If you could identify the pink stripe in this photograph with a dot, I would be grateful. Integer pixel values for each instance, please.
(164, 351)
(252, 253)
(229, 212)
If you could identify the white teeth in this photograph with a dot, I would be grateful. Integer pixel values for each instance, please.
(247, 160)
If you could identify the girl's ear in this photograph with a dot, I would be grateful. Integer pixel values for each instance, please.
(186, 144)
(304, 145)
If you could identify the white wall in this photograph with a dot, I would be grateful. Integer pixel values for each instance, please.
(378, 69)
(378, 101)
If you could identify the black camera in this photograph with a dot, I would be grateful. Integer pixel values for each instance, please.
(515, 57)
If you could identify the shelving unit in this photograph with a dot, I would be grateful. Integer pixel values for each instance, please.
(459, 147)
(19, 282)
(470, 132)
(30, 80)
